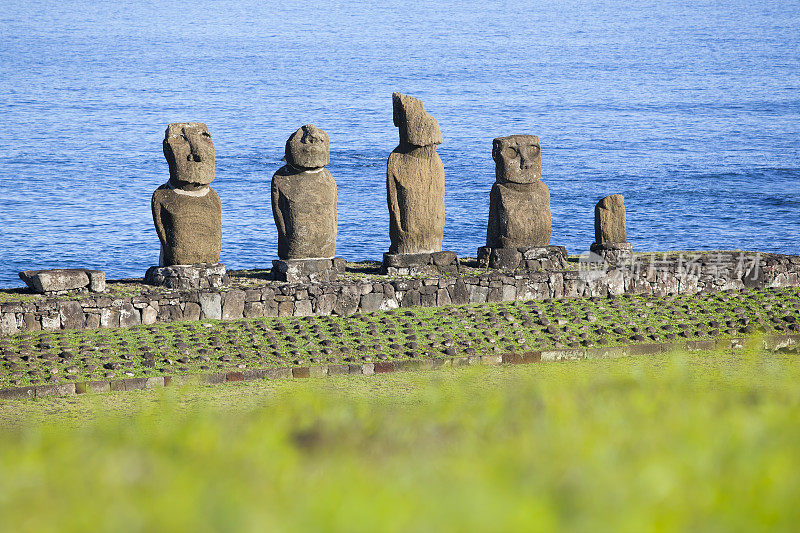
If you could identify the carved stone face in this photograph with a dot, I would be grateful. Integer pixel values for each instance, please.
(190, 153)
(308, 147)
(517, 159)
(417, 127)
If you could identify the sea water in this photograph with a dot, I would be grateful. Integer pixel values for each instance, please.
(690, 110)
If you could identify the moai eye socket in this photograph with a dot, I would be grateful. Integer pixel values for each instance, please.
(509, 152)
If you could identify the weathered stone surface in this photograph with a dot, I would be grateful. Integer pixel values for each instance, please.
(611, 253)
(417, 127)
(109, 318)
(528, 258)
(347, 301)
(406, 260)
(519, 215)
(609, 220)
(307, 270)
(191, 311)
(97, 280)
(18, 393)
(253, 309)
(425, 264)
(505, 258)
(304, 198)
(544, 252)
(443, 297)
(189, 152)
(65, 389)
(187, 213)
(303, 308)
(517, 159)
(460, 295)
(308, 147)
(150, 314)
(673, 275)
(72, 316)
(30, 323)
(415, 181)
(188, 277)
(129, 315)
(84, 387)
(211, 305)
(232, 305)
(59, 280)
(444, 258)
(8, 324)
(371, 302)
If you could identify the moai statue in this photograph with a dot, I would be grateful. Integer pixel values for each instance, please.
(304, 208)
(519, 209)
(609, 220)
(519, 204)
(610, 233)
(415, 190)
(187, 213)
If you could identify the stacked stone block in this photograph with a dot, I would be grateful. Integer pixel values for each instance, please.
(348, 297)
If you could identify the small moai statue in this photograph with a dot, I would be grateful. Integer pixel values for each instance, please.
(609, 220)
(519, 226)
(187, 213)
(415, 194)
(304, 209)
(610, 232)
(519, 205)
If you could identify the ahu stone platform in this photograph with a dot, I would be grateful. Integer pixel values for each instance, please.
(256, 295)
(307, 270)
(187, 277)
(527, 257)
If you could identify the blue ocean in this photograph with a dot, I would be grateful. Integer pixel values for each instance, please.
(690, 110)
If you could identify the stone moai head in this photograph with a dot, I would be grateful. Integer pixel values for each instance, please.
(517, 159)
(417, 127)
(308, 147)
(189, 152)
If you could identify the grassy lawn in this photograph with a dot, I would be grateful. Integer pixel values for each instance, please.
(701, 441)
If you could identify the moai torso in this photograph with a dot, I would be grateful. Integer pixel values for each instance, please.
(191, 225)
(187, 213)
(519, 215)
(304, 198)
(609, 220)
(415, 181)
(519, 206)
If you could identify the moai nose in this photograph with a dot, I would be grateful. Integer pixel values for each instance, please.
(194, 157)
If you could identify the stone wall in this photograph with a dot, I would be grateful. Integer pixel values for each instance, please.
(666, 276)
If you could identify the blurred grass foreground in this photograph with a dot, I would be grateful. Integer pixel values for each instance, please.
(700, 441)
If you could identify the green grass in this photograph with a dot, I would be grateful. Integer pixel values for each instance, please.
(700, 442)
(402, 334)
